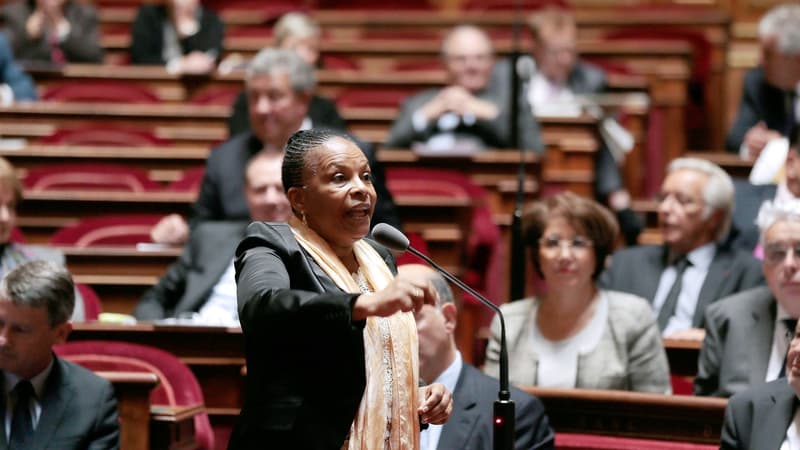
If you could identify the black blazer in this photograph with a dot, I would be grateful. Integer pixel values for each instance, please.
(305, 354)
(470, 425)
(757, 419)
(79, 411)
(637, 270)
(322, 112)
(760, 101)
(147, 35)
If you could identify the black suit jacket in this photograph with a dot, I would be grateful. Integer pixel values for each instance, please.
(188, 282)
(637, 270)
(757, 419)
(147, 35)
(748, 199)
(305, 354)
(322, 112)
(760, 101)
(470, 425)
(79, 411)
(222, 195)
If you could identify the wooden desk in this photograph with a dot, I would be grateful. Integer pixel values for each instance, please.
(633, 414)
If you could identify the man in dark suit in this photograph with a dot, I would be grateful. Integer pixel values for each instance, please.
(47, 402)
(769, 104)
(279, 86)
(201, 280)
(692, 269)
(469, 113)
(747, 334)
(470, 425)
(764, 417)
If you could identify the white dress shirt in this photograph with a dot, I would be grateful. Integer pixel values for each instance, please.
(692, 282)
(792, 440)
(429, 438)
(221, 308)
(780, 345)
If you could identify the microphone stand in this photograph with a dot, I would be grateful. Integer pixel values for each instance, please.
(504, 420)
(517, 262)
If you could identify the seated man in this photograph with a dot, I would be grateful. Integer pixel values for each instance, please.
(749, 197)
(470, 425)
(747, 334)
(693, 268)
(279, 86)
(765, 416)
(770, 103)
(201, 281)
(12, 253)
(15, 84)
(468, 113)
(49, 402)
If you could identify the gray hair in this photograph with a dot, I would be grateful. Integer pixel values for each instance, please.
(294, 24)
(782, 23)
(718, 192)
(442, 289)
(462, 29)
(272, 61)
(772, 212)
(41, 284)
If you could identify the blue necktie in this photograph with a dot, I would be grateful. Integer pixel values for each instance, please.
(21, 420)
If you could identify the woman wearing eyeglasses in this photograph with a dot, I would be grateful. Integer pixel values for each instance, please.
(577, 335)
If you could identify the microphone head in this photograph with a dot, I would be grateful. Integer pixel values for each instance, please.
(526, 67)
(390, 237)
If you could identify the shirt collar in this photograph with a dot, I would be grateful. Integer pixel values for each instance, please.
(702, 256)
(449, 377)
(38, 381)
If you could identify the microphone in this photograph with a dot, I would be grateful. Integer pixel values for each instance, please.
(393, 239)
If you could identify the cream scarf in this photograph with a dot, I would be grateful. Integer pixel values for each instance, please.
(387, 417)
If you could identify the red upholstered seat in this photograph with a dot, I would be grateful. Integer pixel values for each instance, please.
(108, 177)
(572, 441)
(371, 97)
(103, 134)
(224, 96)
(123, 230)
(99, 91)
(92, 307)
(177, 384)
(189, 182)
(419, 243)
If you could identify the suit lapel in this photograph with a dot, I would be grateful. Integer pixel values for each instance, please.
(456, 433)
(718, 272)
(771, 421)
(650, 275)
(3, 438)
(213, 258)
(57, 395)
(760, 342)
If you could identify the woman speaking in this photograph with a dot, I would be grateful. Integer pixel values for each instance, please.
(331, 342)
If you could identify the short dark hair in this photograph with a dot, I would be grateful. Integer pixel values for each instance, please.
(41, 284)
(585, 215)
(295, 154)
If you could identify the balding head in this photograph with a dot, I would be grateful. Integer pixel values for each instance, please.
(468, 57)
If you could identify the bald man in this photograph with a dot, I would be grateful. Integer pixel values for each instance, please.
(467, 113)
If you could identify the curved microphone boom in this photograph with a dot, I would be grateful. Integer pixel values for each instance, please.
(393, 239)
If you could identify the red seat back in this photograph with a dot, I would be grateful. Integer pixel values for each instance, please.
(371, 97)
(125, 230)
(108, 177)
(177, 384)
(92, 307)
(99, 91)
(103, 134)
(574, 441)
(189, 181)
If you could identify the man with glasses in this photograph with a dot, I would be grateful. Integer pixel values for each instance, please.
(747, 334)
(468, 114)
(693, 267)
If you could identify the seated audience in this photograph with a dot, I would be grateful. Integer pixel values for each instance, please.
(765, 416)
(468, 113)
(747, 334)
(48, 402)
(749, 197)
(200, 284)
(693, 267)
(577, 335)
(13, 254)
(15, 84)
(181, 34)
(470, 425)
(298, 32)
(770, 105)
(279, 85)
(560, 78)
(52, 31)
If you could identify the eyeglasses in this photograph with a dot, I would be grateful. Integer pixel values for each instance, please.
(683, 200)
(776, 253)
(577, 244)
